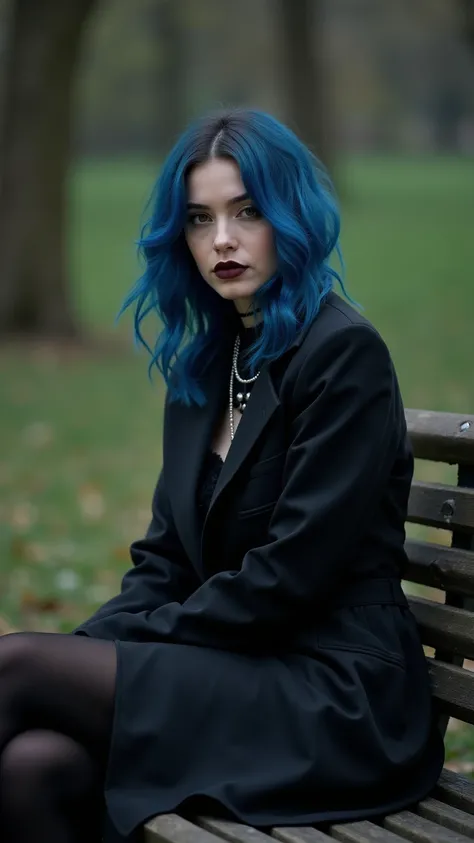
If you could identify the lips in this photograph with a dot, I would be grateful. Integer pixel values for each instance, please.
(228, 265)
(229, 269)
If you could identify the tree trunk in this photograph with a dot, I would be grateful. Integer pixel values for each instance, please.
(467, 15)
(305, 77)
(171, 86)
(34, 154)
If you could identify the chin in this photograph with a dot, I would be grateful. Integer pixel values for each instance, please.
(232, 290)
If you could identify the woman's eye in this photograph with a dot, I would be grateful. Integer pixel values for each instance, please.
(198, 219)
(250, 212)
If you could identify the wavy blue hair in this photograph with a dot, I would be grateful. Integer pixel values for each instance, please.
(291, 189)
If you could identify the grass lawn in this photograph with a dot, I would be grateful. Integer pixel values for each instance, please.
(81, 432)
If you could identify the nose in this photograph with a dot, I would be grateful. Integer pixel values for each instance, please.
(224, 238)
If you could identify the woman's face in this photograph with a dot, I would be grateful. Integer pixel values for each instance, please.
(224, 228)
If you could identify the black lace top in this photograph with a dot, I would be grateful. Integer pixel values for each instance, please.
(209, 476)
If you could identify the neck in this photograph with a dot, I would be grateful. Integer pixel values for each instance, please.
(252, 320)
(250, 316)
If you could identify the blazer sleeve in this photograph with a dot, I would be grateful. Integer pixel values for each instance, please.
(161, 574)
(344, 437)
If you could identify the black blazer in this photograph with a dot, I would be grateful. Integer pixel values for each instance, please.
(267, 659)
(312, 497)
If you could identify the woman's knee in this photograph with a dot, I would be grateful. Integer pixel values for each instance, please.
(42, 761)
(19, 655)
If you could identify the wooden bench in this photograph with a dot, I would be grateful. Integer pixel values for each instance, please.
(447, 629)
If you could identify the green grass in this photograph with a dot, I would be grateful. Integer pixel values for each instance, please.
(81, 432)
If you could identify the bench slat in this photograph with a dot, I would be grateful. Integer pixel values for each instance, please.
(233, 831)
(446, 815)
(444, 627)
(363, 832)
(171, 828)
(440, 437)
(420, 830)
(454, 688)
(455, 790)
(435, 565)
(439, 505)
(301, 834)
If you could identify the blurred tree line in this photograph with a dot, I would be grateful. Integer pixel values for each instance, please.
(389, 66)
(344, 73)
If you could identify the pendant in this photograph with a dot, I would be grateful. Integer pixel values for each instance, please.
(240, 400)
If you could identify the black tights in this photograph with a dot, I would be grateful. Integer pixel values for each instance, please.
(56, 705)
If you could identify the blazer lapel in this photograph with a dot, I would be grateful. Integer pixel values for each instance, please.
(189, 432)
(261, 406)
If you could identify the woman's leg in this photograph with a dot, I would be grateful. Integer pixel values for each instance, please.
(65, 683)
(51, 790)
(56, 706)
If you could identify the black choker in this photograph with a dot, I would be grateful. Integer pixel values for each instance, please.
(250, 312)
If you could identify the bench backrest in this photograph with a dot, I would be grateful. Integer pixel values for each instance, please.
(447, 564)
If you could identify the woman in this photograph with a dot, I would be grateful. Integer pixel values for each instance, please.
(261, 659)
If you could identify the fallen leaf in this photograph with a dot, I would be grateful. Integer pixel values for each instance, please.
(91, 502)
(27, 551)
(460, 766)
(23, 515)
(38, 435)
(121, 553)
(31, 602)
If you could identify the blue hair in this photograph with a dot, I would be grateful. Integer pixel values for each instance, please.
(291, 189)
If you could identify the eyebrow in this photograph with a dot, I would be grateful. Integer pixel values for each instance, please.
(234, 201)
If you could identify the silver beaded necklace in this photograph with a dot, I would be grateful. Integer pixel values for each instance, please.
(242, 397)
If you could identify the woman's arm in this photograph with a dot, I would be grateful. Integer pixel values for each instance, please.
(344, 439)
(161, 574)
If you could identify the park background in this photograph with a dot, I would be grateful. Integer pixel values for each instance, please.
(92, 94)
